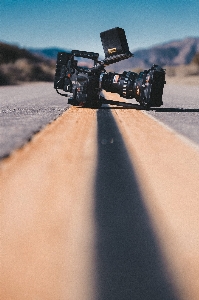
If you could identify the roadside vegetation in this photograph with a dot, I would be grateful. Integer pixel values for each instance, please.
(19, 65)
(189, 70)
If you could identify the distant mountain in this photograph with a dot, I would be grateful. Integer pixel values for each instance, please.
(179, 52)
(50, 53)
(173, 53)
(19, 65)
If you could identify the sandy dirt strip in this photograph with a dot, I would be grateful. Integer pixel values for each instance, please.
(46, 220)
(47, 192)
(168, 172)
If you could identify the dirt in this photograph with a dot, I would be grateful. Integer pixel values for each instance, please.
(168, 172)
(46, 212)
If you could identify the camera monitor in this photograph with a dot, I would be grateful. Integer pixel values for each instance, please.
(114, 42)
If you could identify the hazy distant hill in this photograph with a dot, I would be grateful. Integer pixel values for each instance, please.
(19, 65)
(171, 54)
(48, 52)
(174, 53)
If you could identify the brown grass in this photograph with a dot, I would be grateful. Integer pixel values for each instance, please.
(24, 70)
(19, 65)
(183, 70)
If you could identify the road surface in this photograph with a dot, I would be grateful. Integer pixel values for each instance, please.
(25, 110)
(101, 204)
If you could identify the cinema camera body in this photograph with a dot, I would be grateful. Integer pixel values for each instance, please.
(86, 83)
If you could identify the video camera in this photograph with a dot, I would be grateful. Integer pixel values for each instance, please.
(86, 82)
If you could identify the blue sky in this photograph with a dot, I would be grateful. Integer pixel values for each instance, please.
(77, 24)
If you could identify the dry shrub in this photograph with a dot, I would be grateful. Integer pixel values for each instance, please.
(24, 70)
(195, 59)
(182, 70)
(19, 65)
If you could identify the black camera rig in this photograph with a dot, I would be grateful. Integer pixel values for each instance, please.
(86, 82)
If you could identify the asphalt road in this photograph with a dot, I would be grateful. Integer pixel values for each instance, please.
(100, 204)
(25, 110)
(180, 110)
(74, 224)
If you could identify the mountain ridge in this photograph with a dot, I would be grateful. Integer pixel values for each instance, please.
(171, 53)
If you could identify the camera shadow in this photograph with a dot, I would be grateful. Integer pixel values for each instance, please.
(170, 109)
(129, 264)
(126, 105)
(123, 105)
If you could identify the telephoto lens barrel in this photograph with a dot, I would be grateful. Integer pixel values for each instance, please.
(123, 84)
(146, 87)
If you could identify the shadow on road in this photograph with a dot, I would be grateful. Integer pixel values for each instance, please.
(125, 105)
(129, 264)
(121, 104)
(170, 109)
